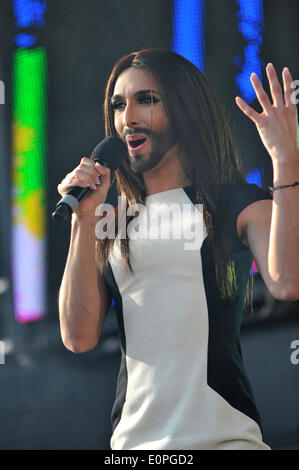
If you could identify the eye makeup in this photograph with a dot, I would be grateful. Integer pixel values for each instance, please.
(147, 97)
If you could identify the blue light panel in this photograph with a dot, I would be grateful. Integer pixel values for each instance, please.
(251, 24)
(25, 40)
(255, 176)
(29, 12)
(189, 21)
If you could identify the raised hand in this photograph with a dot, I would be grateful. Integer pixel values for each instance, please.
(278, 123)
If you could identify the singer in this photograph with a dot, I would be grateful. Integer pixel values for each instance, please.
(182, 382)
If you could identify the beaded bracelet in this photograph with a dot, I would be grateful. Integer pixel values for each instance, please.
(283, 186)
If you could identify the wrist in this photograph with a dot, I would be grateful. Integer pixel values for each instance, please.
(285, 171)
(87, 219)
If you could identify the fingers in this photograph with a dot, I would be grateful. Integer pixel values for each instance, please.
(275, 87)
(280, 99)
(287, 86)
(275, 90)
(86, 174)
(260, 93)
(250, 112)
(288, 89)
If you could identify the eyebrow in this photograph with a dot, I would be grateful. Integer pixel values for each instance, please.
(138, 93)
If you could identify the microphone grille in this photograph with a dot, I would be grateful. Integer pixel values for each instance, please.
(112, 150)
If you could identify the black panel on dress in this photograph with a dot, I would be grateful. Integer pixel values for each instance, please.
(122, 380)
(226, 373)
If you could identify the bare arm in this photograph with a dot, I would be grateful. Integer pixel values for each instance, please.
(284, 235)
(271, 230)
(83, 301)
(273, 236)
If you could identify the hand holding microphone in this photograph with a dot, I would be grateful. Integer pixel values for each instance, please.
(92, 176)
(87, 185)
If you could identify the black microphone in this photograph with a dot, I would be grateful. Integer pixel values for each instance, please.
(110, 152)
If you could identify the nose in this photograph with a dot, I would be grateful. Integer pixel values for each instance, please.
(130, 115)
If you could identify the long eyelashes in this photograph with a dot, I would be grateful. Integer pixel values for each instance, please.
(116, 105)
(147, 100)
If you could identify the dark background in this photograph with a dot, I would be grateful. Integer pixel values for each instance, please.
(51, 398)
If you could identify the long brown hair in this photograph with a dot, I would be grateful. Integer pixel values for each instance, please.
(203, 131)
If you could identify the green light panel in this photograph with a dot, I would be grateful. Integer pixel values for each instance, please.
(29, 139)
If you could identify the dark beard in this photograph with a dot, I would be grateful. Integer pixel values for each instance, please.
(161, 143)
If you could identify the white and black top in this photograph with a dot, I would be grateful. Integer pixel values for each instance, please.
(182, 382)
